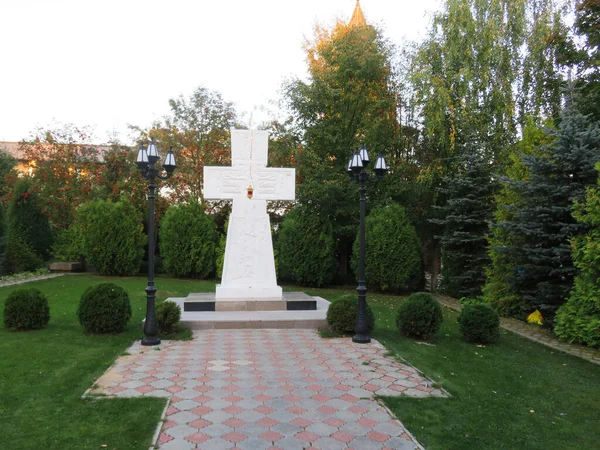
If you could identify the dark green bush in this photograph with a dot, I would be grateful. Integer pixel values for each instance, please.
(305, 248)
(110, 235)
(104, 308)
(188, 239)
(479, 323)
(26, 309)
(419, 316)
(69, 244)
(28, 235)
(168, 315)
(20, 257)
(578, 320)
(392, 249)
(341, 315)
(2, 238)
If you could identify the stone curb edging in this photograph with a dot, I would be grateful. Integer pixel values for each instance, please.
(536, 334)
(28, 280)
(163, 417)
(406, 430)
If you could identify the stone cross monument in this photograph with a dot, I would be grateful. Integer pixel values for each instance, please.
(249, 265)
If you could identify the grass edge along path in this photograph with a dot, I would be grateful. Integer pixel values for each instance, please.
(44, 373)
(533, 332)
(515, 394)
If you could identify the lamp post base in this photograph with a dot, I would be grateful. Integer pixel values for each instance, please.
(150, 341)
(361, 339)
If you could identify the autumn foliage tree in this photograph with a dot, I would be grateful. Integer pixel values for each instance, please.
(198, 130)
(349, 99)
(66, 171)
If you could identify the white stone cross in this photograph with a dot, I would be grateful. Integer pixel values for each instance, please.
(249, 265)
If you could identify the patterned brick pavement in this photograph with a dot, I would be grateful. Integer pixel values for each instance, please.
(269, 389)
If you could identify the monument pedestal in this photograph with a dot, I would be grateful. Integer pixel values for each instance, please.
(294, 310)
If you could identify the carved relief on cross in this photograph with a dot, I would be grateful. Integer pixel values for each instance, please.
(249, 152)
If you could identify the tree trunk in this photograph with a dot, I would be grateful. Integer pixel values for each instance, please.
(435, 259)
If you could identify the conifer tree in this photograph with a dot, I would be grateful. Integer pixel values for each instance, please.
(578, 320)
(27, 232)
(542, 218)
(497, 290)
(465, 220)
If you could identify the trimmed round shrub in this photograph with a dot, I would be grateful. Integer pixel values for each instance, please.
(419, 316)
(341, 315)
(26, 309)
(188, 238)
(168, 315)
(305, 248)
(111, 236)
(392, 249)
(104, 308)
(479, 323)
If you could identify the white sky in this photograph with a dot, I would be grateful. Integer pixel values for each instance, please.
(110, 63)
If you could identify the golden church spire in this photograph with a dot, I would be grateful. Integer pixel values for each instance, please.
(358, 18)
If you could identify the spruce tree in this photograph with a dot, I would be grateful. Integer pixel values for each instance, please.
(542, 220)
(497, 290)
(465, 219)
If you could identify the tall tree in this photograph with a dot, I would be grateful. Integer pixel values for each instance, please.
(67, 168)
(542, 215)
(468, 79)
(8, 174)
(587, 61)
(465, 220)
(498, 290)
(350, 98)
(198, 129)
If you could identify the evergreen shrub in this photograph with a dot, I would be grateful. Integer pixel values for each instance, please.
(26, 309)
(20, 257)
(419, 316)
(392, 249)
(479, 323)
(188, 239)
(110, 235)
(2, 239)
(168, 315)
(28, 234)
(305, 248)
(104, 308)
(578, 320)
(341, 315)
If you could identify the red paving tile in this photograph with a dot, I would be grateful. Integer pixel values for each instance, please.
(197, 438)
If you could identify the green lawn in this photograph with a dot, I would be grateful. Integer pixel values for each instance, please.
(44, 373)
(494, 388)
(515, 394)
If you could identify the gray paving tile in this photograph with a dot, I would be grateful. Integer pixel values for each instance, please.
(217, 430)
(364, 443)
(400, 444)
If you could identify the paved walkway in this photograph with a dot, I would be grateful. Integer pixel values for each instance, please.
(269, 389)
(535, 333)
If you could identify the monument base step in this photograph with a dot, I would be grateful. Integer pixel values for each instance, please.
(290, 301)
(290, 312)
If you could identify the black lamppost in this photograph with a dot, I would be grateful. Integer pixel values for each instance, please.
(357, 171)
(146, 162)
